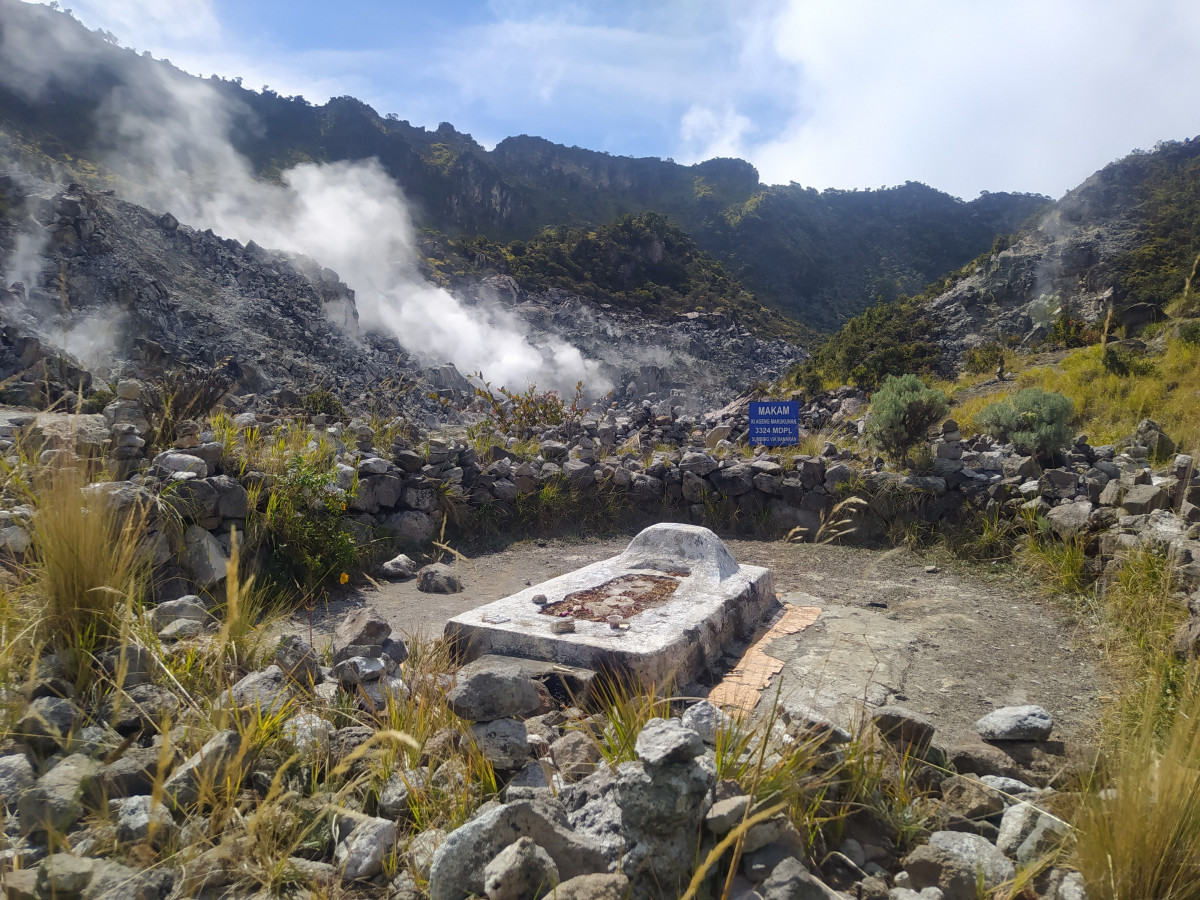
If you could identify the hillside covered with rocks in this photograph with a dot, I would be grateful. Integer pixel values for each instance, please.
(369, 502)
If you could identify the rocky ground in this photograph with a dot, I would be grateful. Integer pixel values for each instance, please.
(1069, 257)
(113, 290)
(100, 793)
(951, 644)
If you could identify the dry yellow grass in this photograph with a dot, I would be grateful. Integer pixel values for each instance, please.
(1108, 405)
(1141, 837)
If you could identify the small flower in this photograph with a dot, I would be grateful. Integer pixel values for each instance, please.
(344, 578)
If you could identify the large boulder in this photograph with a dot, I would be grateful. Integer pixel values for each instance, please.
(364, 843)
(1142, 499)
(504, 742)
(133, 773)
(1016, 723)
(143, 820)
(495, 693)
(47, 723)
(1070, 520)
(957, 863)
(59, 798)
(298, 660)
(664, 741)
(204, 558)
(438, 578)
(209, 766)
(459, 863)
(363, 627)
(267, 691)
(598, 886)
(412, 527)
(16, 777)
(521, 871)
(1028, 833)
(789, 880)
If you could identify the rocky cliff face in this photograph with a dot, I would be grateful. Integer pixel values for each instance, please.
(700, 360)
(130, 292)
(1079, 255)
(117, 291)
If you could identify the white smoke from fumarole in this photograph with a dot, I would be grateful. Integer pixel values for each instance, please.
(168, 136)
(350, 216)
(24, 263)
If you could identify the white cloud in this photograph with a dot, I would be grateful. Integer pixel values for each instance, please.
(707, 133)
(1022, 95)
(190, 34)
(148, 24)
(1018, 95)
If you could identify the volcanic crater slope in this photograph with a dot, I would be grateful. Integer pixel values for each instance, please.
(128, 292)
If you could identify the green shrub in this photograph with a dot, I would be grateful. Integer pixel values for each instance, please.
(528, 411)
(1035, 421)
(322, 403)
(96, 401)
(887, 339)
(1189, 332)
(1124, 362)
(302, 524)
(981, 359)
(1069, 330)
(901, 412)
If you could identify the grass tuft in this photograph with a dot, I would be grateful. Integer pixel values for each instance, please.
(87, 569)
(1140, 837)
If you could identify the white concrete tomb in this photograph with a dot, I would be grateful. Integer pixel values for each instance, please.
(666, 608)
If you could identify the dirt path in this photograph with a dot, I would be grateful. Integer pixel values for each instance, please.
(950, 644)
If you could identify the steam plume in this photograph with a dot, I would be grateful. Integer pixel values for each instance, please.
(168, 137)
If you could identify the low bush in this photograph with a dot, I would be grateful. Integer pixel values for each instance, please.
(322, 403)
(1124, 362)
(1189, 332)
(301, 524)
(1033, 420)
(1069, 330)
(184, 393)
(888, 339)
(96, 401)
(901, 412)
(984, 358)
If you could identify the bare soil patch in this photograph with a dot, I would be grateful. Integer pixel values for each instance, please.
(952, 644)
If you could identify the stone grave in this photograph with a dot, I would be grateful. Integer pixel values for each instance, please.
(666, 608)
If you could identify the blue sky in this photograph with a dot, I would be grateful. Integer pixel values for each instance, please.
(965, 96)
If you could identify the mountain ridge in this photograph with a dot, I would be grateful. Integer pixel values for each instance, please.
(817, 257)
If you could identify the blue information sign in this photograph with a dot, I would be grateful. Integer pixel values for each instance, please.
(775, 423)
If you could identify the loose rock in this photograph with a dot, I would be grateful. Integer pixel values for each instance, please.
(1016, 723)
(438, 579)
(494, 694)
(664, 741)
(521, 871)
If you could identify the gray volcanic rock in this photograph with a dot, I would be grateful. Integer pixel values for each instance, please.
(494, 694)
(1016, 723)
(663, 741)
(1073, 255)
(162, 292)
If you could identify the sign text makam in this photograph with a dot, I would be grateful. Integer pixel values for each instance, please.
(775, 423)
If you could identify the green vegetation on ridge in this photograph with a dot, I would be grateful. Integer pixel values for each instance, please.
(639, 262)
(1168, 194)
